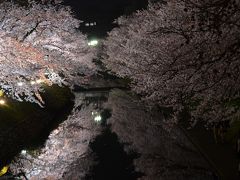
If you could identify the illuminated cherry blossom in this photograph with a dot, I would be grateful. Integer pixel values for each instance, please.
(40, 44)
(183, 55)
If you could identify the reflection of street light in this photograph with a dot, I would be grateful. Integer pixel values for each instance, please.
(93, 43)
(39, 81)
(98, 118)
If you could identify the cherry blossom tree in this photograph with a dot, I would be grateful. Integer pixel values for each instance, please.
(182, 54)
(40, 44)
(66, 151)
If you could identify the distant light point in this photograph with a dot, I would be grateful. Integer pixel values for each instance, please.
(33, 82)
(20, 83)
(23, 152)
(93, 43)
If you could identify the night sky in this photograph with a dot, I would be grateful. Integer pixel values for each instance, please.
(103, 12)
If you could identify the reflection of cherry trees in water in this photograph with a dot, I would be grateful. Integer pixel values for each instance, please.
(26, 125)
(83, 148)
(112, 161)
(64, 146)
(66, 149)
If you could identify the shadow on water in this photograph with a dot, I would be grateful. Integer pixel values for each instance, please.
(27, 126)
(112, 161)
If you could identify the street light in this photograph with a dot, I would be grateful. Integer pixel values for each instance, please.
(93, 42)
(33, 82)
(20, 83)
(23, 152)
(2, 102)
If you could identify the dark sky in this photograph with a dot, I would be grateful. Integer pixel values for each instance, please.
(103, 12)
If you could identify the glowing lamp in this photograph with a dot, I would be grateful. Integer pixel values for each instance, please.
(2, 102)
(20, 84)
(23, 152)
(93, 43)
(33, 82)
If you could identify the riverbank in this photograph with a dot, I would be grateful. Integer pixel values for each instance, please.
(129, 128)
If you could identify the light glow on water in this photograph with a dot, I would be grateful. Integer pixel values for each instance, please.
(98, 118)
